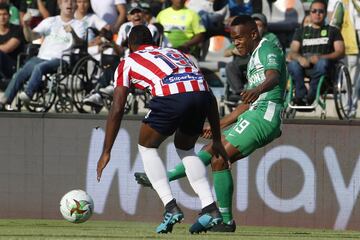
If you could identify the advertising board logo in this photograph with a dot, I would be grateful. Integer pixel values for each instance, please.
(124, 164)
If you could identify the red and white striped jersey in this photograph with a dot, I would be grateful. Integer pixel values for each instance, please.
(164, 71)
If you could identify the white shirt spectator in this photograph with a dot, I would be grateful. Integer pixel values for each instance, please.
(124, 32)
(57, 40)
(93, 21)
(106, 9)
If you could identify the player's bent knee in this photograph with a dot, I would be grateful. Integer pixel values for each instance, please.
(218, 164)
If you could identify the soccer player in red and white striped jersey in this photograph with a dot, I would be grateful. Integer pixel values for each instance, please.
(181, 103)
(164, 71)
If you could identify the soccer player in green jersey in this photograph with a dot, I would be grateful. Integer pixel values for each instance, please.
(254, 123)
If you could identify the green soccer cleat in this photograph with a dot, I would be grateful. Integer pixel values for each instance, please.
(206, 221)
(224, 227)
(142, 179)
(175, 215)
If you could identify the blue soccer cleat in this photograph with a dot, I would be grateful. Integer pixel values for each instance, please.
(170, 218)
(206, 221)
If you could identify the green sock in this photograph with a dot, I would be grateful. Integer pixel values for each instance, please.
(224, 188)
(179, 170)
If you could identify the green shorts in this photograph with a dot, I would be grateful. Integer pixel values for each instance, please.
(252, 131)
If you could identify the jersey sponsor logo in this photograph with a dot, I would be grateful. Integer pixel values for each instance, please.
(323, 33)
(271, 59)
(173, 27)
(315, 41)
(181, 77)
(256, 78)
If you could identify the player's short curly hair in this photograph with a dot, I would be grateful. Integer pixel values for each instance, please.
(244, 20)
(140, 35)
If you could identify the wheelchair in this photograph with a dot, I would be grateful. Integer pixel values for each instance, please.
(230, 99)
(53, 90)
(86, 76)
(335, 85)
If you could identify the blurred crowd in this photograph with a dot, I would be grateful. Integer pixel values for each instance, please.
(101, 27)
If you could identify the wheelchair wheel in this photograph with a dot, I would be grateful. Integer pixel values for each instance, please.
(85, 76)
(342, 91)
(289, 113)
(107, 102)
(141, 96)
(43, 100)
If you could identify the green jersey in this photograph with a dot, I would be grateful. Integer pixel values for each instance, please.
(272, 38)
(266, 57)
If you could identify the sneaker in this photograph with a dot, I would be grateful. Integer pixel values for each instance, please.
(206, 221)
(3, 99)
(300, 101)
(94, 100)
(24, 97)
(142, 179)
(224, 227)
(171, 217)
(109, 90)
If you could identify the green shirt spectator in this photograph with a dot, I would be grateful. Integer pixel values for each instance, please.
(182, 26)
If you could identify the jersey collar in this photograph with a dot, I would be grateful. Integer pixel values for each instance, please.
(145, 46)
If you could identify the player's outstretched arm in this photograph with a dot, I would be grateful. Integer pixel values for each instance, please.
(214, 120)
(112, 127)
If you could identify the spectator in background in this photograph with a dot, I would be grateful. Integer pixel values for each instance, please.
(238, 7)
(112, 11)
(213, 21)
(155, 6)
(38, 9)
(313, 49)
(10, 44)
(14, 13)
(85, 14)
(135, 17)
(182, 27)
(149, 18)
(60, 34)
(349, 24)
(262, 25)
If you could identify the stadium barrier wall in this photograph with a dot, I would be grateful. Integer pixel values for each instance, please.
(309, 177)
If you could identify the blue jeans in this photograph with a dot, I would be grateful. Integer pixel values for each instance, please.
(33, 70)
(297, 73)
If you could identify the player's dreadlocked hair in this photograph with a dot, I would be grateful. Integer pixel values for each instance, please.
(244, 20)
(140, 35)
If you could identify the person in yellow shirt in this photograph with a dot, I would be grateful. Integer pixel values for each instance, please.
(345, 15)
(182, 27)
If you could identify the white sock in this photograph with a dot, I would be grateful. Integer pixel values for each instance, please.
(155, 171)
(196, 173)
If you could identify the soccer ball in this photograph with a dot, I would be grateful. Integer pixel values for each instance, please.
(76, 206)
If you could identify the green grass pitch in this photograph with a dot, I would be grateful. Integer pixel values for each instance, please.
(60, 229)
